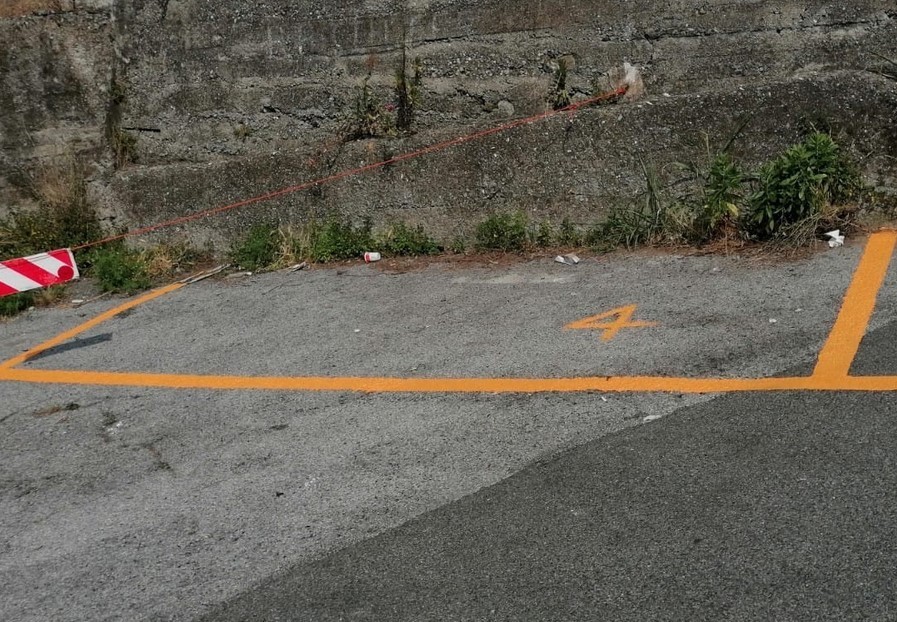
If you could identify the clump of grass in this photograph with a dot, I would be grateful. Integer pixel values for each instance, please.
(15, 304)
(560, 96)
(119, 269)
(400, 239)
(799, 184)
(167, 259)
(242, 132)
(458, 245)
(648, 220)
(258, 249)
(64, 219)
(339, 239)
(503, 231)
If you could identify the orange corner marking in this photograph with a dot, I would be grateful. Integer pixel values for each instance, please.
(843, 342)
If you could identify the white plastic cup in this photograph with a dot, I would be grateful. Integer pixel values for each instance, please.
(369, 257)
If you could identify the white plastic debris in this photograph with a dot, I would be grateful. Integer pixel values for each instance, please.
(772, 320)
(651, 418)
(569, 260)
(835, 238)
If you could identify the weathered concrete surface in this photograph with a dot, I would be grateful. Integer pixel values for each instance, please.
(227, 99)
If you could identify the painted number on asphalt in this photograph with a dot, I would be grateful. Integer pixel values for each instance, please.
(610, 322)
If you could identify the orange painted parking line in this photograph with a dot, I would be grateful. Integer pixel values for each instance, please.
(842, 344)
(831, 372)
(418, 385)
(70, 334)
(612, 384)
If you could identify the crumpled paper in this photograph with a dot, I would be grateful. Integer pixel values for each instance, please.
(835, 238)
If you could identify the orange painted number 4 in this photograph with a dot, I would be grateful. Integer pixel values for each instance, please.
(610, 322)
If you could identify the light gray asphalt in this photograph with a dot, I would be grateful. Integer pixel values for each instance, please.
(157, 504)
(747, 507)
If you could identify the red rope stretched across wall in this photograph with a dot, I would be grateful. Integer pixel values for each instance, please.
(611, 95)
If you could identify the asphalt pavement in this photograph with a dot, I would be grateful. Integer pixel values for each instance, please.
(261, 492)
(747, 507)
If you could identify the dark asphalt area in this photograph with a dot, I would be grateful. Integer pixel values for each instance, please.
(778, 506)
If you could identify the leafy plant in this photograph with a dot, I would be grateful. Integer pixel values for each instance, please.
(799, 183)
(401, 239)
(257, 250)
(503, 232)
(340, 239)
(721, 194)
(119, 269)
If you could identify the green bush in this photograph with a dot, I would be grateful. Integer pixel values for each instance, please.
(569, 234)
(799, 183)
(544, 235)
(119, 269)
(721, 194)
(401, 239)
(502, 232)
(258, 248)
(15, 304)
(340, 239)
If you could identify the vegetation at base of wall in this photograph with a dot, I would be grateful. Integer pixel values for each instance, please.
(62, 218)
(258, 249)
(334, 239)
(800, 184)
(503, 231)
(338, 239)
(400, 239)
(812, 187)
(15, 304)
(119, 269)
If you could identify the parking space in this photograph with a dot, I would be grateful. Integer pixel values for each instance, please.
(530, 327)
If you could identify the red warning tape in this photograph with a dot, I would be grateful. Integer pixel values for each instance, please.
(609, 96)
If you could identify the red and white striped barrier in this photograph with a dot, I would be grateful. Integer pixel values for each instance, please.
(36, 271)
